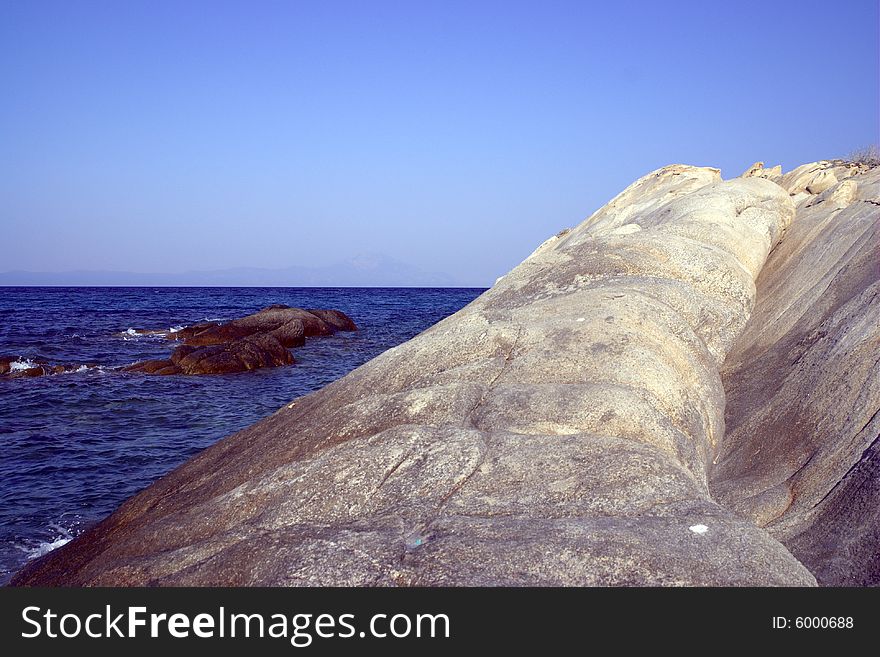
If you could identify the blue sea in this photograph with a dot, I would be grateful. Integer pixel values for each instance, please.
(74, 446)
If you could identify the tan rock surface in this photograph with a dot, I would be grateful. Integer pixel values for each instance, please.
(803, 385)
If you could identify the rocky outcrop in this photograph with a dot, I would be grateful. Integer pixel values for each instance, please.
(800, 456)
(24, 368)
(250, 353)
(757, 170)
(565, 428)
(252, 342)
(290, 326)
(249, 343)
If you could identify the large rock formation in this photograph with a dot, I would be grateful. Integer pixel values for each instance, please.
(568, 426)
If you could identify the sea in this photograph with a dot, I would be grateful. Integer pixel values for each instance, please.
(74, 446)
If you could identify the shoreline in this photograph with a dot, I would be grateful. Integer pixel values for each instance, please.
(567, 426)
(111, 434)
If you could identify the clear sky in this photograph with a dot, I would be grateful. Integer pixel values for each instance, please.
(456, 136)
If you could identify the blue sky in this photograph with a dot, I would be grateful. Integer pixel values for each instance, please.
(456, 136)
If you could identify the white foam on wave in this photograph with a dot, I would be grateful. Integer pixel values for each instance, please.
(21, 364)
(45, 547)
(82, 369)
(147, 334)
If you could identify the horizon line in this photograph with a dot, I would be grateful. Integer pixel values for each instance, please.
(299, 287)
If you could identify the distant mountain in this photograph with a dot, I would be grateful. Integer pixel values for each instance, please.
(369, 270)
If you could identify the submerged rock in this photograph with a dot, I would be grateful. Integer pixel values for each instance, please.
(567, 427)
(252, 342)
(23, 368)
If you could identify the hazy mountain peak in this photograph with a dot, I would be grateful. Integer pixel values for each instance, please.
(362, 270)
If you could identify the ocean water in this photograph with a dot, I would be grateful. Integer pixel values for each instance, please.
(74, 446)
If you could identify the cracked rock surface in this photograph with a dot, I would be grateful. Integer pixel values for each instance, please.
(568, 426)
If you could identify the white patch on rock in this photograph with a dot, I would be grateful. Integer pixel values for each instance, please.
(699, 529)
(626, 229)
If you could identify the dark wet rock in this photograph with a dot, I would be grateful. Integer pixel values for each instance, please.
(20, 368)
(252, 352)
(217, 334)
(153, 367)
(290, 325)
(291, 334)
(30, 372)
(293, 326)
(189, 331)
(340, 321)
(252, 342)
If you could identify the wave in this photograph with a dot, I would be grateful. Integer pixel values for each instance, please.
(86, 368)
(129, 334)
(34, 551)
(153, 334)
(145, 334)
(22, 364)
(99, 369)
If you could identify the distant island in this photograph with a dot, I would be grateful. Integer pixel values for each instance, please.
(366, 270)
